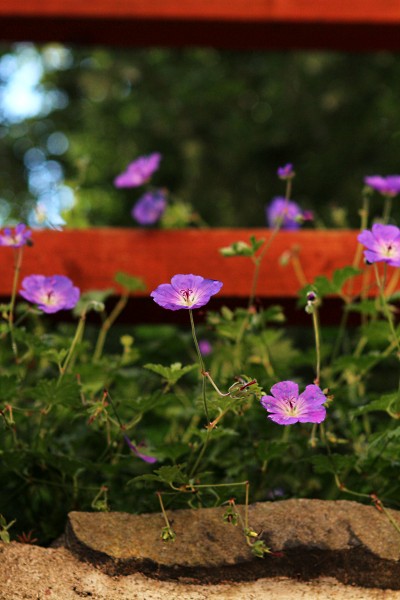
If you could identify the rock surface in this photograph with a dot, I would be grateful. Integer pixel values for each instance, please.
(34, 573)
(354, 543)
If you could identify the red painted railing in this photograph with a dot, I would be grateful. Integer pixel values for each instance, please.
(269, 24)
(92, 257)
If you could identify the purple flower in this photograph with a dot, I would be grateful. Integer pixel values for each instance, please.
(205, 347)
(51, 294)
(139, 171)
(287, 406)
(145, 457)
(150, 207)
(15, 238)
(387, 186)
(286, 172)
(275, 493)
(186, 291)
(382, 244)
(287, 213)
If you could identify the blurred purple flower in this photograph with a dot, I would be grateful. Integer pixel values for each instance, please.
(287, 213)
(286, 172)
(287, 406)
(382, 244)
(16, 237)
(185, 291)
(387, 186)
(275, 493)
(205, 347)
(150, 207)
(145, 457)
(139, 171)
(51, 294)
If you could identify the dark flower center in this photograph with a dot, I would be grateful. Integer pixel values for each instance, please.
(186, 294)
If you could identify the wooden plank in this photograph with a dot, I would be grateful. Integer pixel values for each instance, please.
(92, 257)
(334, 11)
(236, 24)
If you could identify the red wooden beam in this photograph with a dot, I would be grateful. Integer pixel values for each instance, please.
(92, 257)
(339, 11)
(264, 24)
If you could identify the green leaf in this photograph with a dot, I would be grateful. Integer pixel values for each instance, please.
(335, 463)
(273, 314)
(145, 477)
(170, 474)
(172, 451)
(355, 364)
(365, 307)
(158, 399)
(325, 287)
(377, 332)
(340, 276)
(379, 441)
(268, 450)
(171, 374)
(8, 387)
(389, 403)
(93, 300)
(49, 391)
(242, 248)
(129, 282)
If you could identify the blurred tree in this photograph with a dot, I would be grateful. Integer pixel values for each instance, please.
(224, 121)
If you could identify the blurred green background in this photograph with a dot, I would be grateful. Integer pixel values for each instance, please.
(71, 119)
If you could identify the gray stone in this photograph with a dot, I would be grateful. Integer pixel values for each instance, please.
(355, 543)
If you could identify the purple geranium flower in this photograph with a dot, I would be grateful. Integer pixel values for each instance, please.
(145, 457)
(186, 291)
(150, 207)
(387, 186)
(51, 294)
(287, 406)
(139, 171)
(205, 347)
(286, 172)
(382, 244)
(16, 237)
(286, 212)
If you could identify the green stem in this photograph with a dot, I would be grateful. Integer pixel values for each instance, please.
(317, 343)
(386, 307)
(258, 260)
(246, 506)
(118, 308)
(164, 514)
(78, 336)
(201, 454)
(17, 270)
(387, 209)
(218, 485)
(201, 364)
